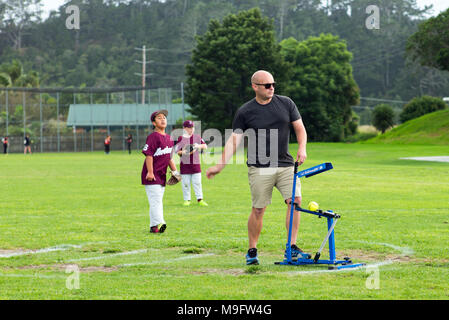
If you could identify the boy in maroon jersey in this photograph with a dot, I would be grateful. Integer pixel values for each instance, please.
(158, 152)
(187, 148)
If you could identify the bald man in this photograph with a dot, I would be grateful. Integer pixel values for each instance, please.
(267, 118)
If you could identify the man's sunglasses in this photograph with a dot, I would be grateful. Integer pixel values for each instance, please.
(266, 85)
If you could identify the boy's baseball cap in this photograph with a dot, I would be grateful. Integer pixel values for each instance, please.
(155, 113)
(188, 124)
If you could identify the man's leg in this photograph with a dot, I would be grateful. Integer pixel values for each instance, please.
(295, 251)
(261, 181)
(285, 185)
(296, 219)
(254, 228)
(255, 223)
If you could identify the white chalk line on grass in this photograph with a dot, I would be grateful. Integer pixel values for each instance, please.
(166, 261)
(14, 275)
(61, 247)
(121, 265)
(368, 265)
(405, 251)
(126, 253)
(44, 250)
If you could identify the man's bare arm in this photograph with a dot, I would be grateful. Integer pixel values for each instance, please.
(301, 136)
(230, 148)
(228, 151)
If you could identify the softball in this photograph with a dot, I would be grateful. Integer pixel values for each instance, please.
(313, 206)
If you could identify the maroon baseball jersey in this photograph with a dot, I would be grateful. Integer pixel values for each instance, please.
(159, 146)
(189, 164)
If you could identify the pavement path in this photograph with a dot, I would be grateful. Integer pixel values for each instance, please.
(437, 159)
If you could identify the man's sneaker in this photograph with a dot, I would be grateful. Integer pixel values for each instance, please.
(160, 228)
(297, 252)
(186, 203)
(251, 257)
(203, 203)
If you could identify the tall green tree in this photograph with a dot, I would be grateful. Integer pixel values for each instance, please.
(430, 44)
(18, 16)
(222, 64)
(321, 84)
(378, 53)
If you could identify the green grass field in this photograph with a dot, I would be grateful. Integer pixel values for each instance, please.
(429, 129)
(90, 211)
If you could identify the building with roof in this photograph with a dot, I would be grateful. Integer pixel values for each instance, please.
(122, 115)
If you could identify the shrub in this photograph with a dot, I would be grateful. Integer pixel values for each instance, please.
(383, 117)
(420, 106)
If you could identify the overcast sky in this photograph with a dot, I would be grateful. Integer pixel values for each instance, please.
(438, 5)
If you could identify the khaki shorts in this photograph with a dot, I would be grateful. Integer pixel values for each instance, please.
(262, 181)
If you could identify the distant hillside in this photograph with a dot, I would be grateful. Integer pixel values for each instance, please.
(432, 128)
(102, 52)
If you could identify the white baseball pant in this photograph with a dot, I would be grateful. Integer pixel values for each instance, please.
(155, 193)
(195, 180)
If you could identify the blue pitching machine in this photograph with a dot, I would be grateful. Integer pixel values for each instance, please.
(332, 219)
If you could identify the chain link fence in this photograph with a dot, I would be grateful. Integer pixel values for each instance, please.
(365, 111)
(43, 114)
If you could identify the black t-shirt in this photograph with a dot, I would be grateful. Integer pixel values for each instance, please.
(261, 124)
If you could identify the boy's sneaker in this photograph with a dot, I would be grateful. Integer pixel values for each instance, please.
(186, 203)
(160, 228)
(202, 203)
(251, 257)
(298, 252)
